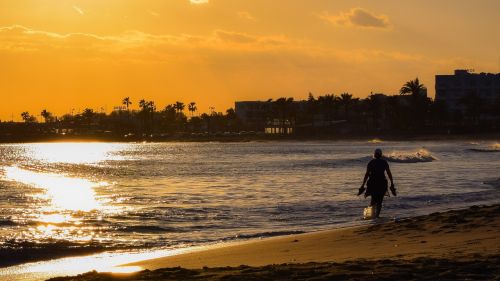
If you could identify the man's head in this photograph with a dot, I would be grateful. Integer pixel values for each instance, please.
(378, 153)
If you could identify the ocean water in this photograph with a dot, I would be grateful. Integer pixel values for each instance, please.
(60, 199)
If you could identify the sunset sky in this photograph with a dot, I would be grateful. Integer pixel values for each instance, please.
(63, 55)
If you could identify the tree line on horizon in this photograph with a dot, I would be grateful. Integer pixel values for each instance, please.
(409, 111)
(146, 119)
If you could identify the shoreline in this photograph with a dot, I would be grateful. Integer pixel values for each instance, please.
(348, 243)
(88, 252)
(476, 267)
(467, 236)
(252, 138)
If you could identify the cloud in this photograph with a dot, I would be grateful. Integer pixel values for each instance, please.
(245, 15)
(79, 10)
(357, 17)
(235, 37)
(138, 46)
(153, 13)
(199, 1)
(133, 44)
(218, 64)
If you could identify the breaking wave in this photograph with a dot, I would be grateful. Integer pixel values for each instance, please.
(492, 148)
(421, 155)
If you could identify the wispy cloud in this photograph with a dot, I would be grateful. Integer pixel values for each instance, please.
(234, 37)
(153, 13)
(357, 17)
(79, 10)
(245, 15)
(199, 1)
(140, 46)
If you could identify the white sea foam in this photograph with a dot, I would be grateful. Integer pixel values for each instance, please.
(495, 147)
(421, 155)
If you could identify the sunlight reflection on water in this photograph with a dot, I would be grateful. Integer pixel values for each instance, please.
(73, 153)
(63, 193)
(80, 198)
(63, 203)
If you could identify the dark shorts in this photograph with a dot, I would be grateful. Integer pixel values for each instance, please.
(377, 188)
(377, 199)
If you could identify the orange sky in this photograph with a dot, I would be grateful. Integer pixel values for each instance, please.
(64, 55)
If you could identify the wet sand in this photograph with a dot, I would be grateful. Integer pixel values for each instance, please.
(454, 245)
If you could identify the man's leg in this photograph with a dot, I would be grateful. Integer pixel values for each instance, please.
(373, 201)
(374, 205)
(378, 204)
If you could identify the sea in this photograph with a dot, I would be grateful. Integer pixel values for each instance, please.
(65, 199)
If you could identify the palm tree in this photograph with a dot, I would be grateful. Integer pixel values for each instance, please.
(142, 104)
(192, 108)
(126, 101)
(27, 117)
(230, 114)
(312, 107)
(375, 108)
(179, 106)
(88, 115)
(328, 105)
(413, 88)
(148, 109)
(346, 101)
(147, 106)
(47, 116)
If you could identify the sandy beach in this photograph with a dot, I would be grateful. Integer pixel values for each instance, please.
(455, 245)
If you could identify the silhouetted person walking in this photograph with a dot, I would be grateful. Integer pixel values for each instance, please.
(377, 183)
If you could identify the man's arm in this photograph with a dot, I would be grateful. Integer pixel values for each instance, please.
(366, 178)
(390, 175)
(362, 188)
(392, 188)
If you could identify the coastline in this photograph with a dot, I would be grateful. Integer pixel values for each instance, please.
(302, 214)
(250, 138)
(442, 241)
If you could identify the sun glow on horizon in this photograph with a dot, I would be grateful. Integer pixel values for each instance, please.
(92, 54)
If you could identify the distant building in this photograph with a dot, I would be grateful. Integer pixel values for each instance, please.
(252, 111)
(119, 108)
(260, 116)
(451, 89)
(280, 127)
